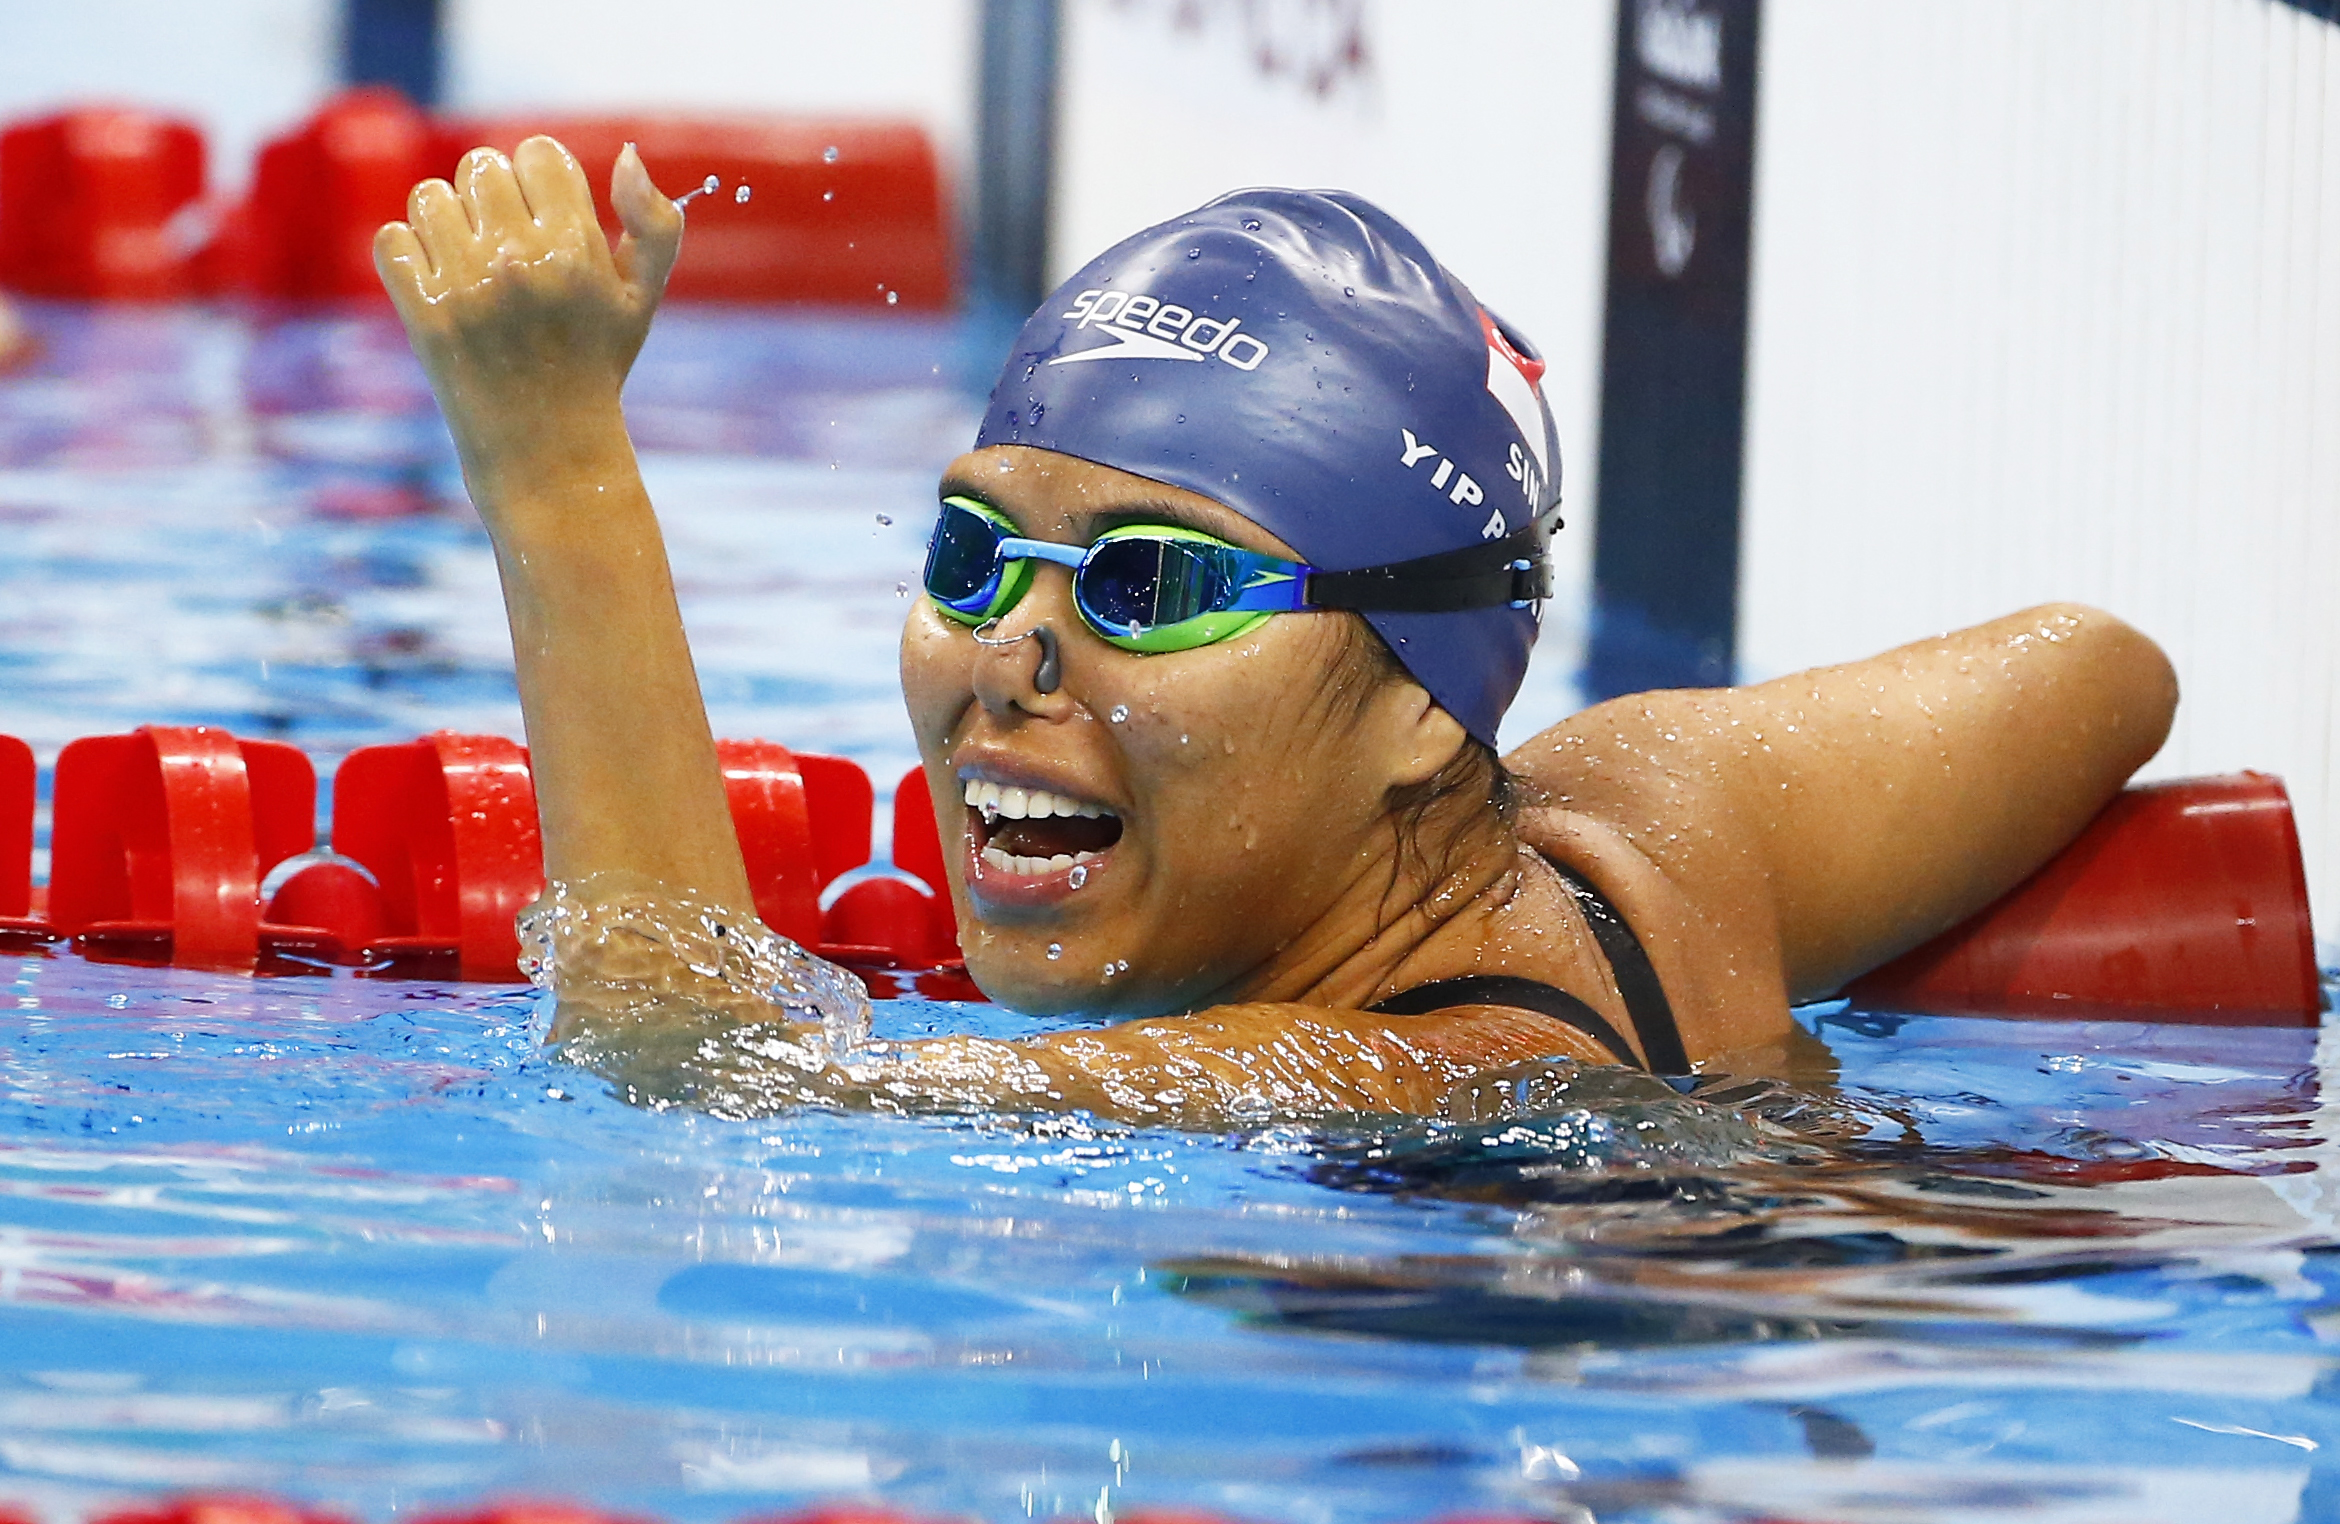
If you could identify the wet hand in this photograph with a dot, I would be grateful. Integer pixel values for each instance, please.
(524, 317)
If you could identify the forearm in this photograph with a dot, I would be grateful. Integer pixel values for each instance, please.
(1224, 1067)
(527, 322)
(624, 763)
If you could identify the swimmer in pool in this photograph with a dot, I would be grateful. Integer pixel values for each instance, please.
(1220, 615)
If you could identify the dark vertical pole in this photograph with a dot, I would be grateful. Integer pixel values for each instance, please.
(1015, 152)
(392, 42)
(1674, 346)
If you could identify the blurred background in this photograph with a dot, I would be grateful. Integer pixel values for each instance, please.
(1863, 321)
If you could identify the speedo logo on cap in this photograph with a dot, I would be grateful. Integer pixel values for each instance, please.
(1137, 327)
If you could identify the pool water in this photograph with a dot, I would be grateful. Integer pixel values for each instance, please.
(363, 1241)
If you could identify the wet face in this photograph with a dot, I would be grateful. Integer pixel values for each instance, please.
(1159, 832)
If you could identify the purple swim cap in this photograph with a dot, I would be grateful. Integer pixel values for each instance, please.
(1300, 357)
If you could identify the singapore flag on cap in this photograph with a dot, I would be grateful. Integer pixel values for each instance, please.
(1512, 378)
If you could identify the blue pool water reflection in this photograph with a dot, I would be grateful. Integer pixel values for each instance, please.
(364, 1241)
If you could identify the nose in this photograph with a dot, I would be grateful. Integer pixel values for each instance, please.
(1021, 666)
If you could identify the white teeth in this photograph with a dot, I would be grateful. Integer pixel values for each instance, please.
(1027, 803)
(1035, 867)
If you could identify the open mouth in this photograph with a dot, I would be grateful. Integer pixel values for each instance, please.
(1030, 832)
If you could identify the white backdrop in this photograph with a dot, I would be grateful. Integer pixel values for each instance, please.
(2047, 305)
(242, 69)
(908, 58)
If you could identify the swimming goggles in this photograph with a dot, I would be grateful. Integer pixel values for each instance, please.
(1159, 587)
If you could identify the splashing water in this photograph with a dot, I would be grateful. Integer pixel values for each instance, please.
(706, 187)
(628, 948)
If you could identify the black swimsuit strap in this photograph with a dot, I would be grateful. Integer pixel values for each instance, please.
(1509, 990)
(1637, 983)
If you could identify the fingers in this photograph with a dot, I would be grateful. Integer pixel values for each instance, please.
(554, 186)
(653, 225)
(403, 265)
(441, 227)
(491, 197)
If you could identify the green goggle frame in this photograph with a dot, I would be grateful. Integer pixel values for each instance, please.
(1154, 588)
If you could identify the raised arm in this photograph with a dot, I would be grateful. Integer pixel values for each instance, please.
(527, 322)
(1802, 831)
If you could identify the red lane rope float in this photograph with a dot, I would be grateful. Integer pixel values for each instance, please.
(847, 213)
(19, 787)
(220, 1508)
(2181, 901)
(160, 838)
(447, 826)
(803, 820)
(101, 202)
(836, 214)
(320, 191)
(916, 926)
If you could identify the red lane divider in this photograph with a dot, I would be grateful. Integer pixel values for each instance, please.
(320, 191)
(916, 926)
(2185, 899)
(220, 1508)
(447, 826)
(844, 213)
(2182, 901)
(162, 840)
(19, 786)
(108, 202)
(102, 202)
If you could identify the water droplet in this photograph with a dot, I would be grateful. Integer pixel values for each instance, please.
(1194, 253)
(828, 195)
(1182, 740)
(1251, 224)
(893, 297)
(1120, 713)
(1055, 951)
(1182, 418)
(1079, 875)
(885, 518)
(740, 196)
(1348, 290)
(901, 589)
(829, 154)
(711, 184)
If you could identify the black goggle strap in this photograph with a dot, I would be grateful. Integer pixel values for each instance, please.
(1514, 570)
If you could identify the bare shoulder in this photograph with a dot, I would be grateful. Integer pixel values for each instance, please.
(1770, 842)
